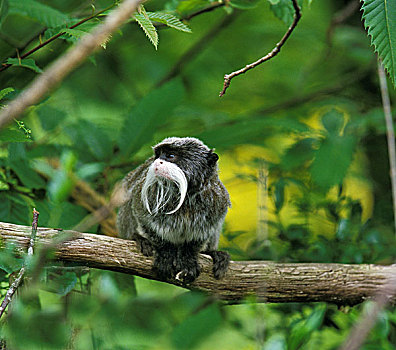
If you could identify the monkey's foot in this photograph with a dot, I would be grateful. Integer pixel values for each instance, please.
(221, 260)
(165, 265)
(146, 247)
(190, 272)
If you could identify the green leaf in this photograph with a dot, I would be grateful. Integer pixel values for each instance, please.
(380, 21)
(90, 170)
(62, 183)
(147, 26)
(13, 134)
(333, 121)
(196, 328)
(332, 160)
(26, 174)
(302, 330)
(279, 195)
(98, 142)
(50, 117)
(21, 166)
(4, 6)
(244, 4)
(189, 6)
(14, 208)
(249, 131)
(8, 260)
(145, 118)
(283, 9)
(26, 62)
(169, 20)
(44, 14)
(60, 281)
(297, 154)
(5, 92)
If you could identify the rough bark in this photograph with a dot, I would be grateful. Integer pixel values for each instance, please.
(342, 284)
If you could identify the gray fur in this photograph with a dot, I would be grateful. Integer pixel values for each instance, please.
(175, 239)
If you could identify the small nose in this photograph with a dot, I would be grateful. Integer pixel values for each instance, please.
(161, 162)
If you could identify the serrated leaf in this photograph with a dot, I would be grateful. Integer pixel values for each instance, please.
(4, 6)
(27, 63)
(5, 92)
(147, 26)
(169, 20)
(44, 14)
(73, 33)
(380, 21)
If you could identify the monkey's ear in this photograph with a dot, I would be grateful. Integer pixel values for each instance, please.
(212, 157)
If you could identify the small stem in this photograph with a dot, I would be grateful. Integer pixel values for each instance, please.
(273, 53)
(389, 133)
(38, 47)
(14, 286)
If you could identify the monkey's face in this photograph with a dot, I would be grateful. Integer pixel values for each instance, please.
(196, 160)
(180, 165)
(164, 185)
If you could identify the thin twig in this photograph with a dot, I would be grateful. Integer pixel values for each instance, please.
(38, 47)
(273, 53)
(389, 133)
(213, 6)
(14, 286)
(68, 62)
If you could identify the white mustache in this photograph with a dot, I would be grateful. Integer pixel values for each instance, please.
(164, 174)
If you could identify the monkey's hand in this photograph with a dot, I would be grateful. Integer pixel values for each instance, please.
(165, 261)
(221, 260)
(189, 272)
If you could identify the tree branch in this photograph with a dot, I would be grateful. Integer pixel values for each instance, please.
(273, 53)
(341, 284)
(69, 61)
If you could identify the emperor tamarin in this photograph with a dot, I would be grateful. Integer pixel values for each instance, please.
(175, 208)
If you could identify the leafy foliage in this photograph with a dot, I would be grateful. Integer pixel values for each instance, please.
(379, 19)
(169, 20)
(27, 63)
(3, 9)
(145, 23)
(44, 14)
(301, 153)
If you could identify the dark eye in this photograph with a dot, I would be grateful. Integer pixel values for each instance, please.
(170, 155)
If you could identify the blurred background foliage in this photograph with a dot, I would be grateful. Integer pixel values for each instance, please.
(302, 152)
